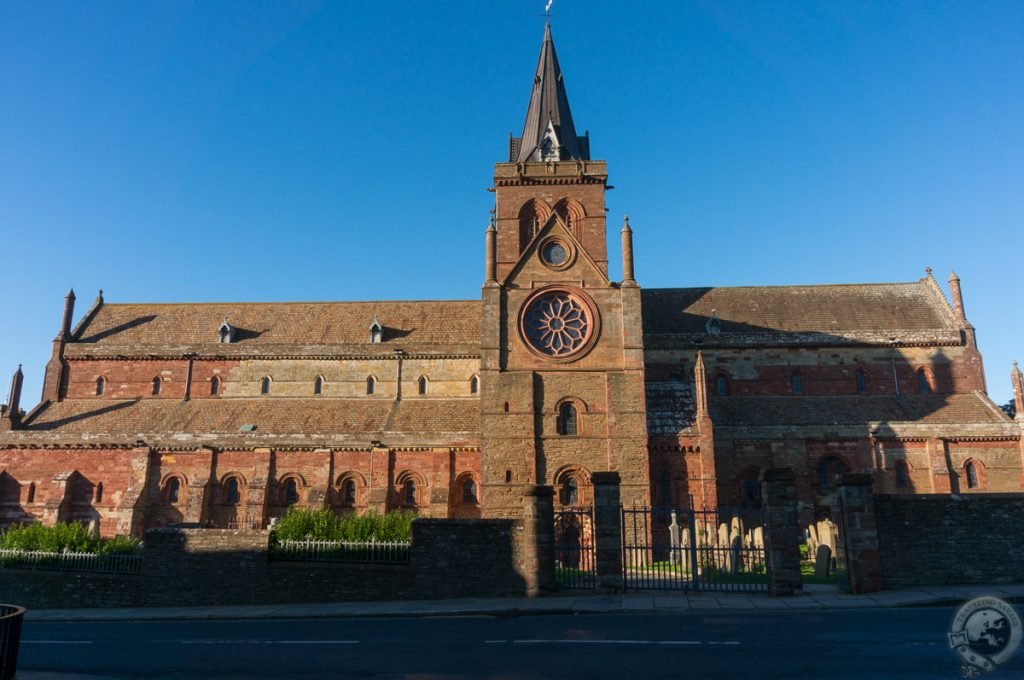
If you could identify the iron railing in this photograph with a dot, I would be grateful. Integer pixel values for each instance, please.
(113, 563)
(359, 552)
(575, 558)
(10, 635)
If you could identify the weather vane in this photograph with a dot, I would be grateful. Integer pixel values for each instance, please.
(547, 9)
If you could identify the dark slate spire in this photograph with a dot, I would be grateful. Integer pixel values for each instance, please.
(548, 132)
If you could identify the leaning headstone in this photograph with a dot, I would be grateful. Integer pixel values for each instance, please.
(823, 562)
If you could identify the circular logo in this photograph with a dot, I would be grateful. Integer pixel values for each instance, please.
(986, 632)
(558, 323)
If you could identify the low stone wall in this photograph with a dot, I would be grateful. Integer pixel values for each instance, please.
(944, 539)
(198, 567)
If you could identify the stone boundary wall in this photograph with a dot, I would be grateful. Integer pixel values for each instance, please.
(206, 567)
(939, 539)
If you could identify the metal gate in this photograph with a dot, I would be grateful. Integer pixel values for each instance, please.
(690, 549)
(575, 560)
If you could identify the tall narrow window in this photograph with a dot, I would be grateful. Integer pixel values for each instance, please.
(797, 383)
(666, 488)
(348, 492)
(972, 475)
(101, 386)
(291, 492)
(371, 384)
(570, 491)
(862, 382)
(97, 496)
(156, 386)
(215, 386)
(173, 490)
(231, 493)
(376, 332)
(751, 493)
(902, 475)
(508, 476)
(409, 492)
(265, 385)
(474, 385)
(721, 385)
(923, 386)
(422, 385)
(567, 418)
(31, 493)
(828, 470)
(318, 385)
(469, 491)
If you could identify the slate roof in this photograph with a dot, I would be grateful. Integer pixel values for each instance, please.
(280, 328)
(278, 421)
(842, 311)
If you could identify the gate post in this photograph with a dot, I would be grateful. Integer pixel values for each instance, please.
(608, 531)
(860, 533)
(539, 540)
(781, 531)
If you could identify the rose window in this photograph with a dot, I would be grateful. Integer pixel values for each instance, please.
(557, 324)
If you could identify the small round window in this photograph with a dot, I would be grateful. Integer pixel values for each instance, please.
(556, 253)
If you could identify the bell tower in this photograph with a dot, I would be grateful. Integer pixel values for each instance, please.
(562, 346)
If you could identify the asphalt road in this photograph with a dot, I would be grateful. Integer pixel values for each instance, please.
(876, 643)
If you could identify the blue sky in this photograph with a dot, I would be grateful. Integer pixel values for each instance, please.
(177, 151)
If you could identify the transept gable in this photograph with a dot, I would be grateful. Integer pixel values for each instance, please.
(555, 255)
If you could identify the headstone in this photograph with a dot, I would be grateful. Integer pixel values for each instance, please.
(759, 538)
(674, 540)
(823, 562)
(735, 555)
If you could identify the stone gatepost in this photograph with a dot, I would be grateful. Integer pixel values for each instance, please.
(860, 533)
(781, 531)
(539, 540)
(608, 531)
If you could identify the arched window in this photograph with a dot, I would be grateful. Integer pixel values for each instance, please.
(291, 492)
(101, 386)
(972, 475)
(567, 419)
(371, 384)
(376, 332)
(750, 493)
(318, 385)
(474, 385)
(505, 407)
(666, 488)
(97, 496)
(796, 383)
(862, 382)
(265, 385)
(571, 213)
(31, 498)
(173, 490)
(226, 333)
(214, 386)
(409, 492)
(231, 493)
(532, 217)
(923, 386)
(508, 476)
(469, 492)
(421, 384)
(348, 492)
(902, 475)
(570, 491)
(156, 386)
(721, 385)
(828, 470)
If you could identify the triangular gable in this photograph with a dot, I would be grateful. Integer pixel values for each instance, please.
(583, 268)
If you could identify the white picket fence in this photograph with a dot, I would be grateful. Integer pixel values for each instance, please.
(71, 561)
(364, 552)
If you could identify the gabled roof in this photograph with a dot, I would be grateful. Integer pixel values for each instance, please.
(549, 103)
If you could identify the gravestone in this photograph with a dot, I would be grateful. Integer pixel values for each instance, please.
(823, 562)
(735, 555)
(674, 540)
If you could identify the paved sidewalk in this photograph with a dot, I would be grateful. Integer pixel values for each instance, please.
(814, 597)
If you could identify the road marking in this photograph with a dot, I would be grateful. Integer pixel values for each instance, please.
(610, 642)
(268, 642)
(56, 642)
(729, 642)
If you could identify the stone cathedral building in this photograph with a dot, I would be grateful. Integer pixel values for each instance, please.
(226, 414)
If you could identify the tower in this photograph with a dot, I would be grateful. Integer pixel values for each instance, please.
(562, 347)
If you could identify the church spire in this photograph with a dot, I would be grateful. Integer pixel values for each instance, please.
(549, 133)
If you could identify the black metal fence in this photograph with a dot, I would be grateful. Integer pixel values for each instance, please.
(694, 549)
(10, 636)
(575, 559)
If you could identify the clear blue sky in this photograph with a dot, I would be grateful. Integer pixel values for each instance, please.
(176, 151)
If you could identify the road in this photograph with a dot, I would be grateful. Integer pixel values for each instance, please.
(876, 643)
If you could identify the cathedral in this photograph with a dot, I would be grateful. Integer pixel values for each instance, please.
(227, 414)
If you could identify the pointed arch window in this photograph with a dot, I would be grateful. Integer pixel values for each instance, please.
(862, 382)
(421, 384)
(371, 385)
(923, 386)
(474, 385)
(291, 492)
(265, 385)
(318, 385)
(157, 384)
(796, 382)
(214, 386)
(971, 471)
(101, 386)
(532, 217)
(567, 419)
(376, 332)
(902, 475)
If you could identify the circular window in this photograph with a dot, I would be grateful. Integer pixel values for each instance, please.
(558, 323)
(556, 253)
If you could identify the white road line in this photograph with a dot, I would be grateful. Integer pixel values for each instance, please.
(56, 642)
(265, 642)
(609, 642)
(717, 642)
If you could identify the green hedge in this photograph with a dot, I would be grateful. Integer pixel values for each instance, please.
(73, 537)
(323, 525)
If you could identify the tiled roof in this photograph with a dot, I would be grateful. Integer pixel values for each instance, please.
(280, 328)
(892, 308)
(312, 421)
(670, 407)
